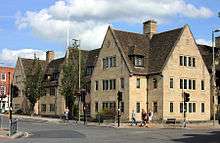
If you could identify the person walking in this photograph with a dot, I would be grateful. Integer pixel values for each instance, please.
(150, 114)
(143, 117)
(133, 120)
(66, 113)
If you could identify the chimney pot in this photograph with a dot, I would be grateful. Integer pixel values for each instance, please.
(150, 28)
(50, 56)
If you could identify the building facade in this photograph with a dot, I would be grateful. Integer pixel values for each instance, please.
(152, 70)
(6, 77)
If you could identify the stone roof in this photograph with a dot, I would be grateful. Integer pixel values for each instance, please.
(27, 63)
(206, 52)
(155, 51)
(92, 57)
(54, 66)
(161, 46)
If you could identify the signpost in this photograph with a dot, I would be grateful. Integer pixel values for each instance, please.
(13, 127)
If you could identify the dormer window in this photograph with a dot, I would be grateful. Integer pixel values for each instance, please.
(139, 61)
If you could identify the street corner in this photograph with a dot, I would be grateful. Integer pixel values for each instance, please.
(20, 135)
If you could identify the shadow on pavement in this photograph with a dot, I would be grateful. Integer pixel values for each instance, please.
(57, 134)
(210, 137)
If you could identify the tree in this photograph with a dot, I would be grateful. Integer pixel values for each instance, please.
(70, 78)
(34, 88)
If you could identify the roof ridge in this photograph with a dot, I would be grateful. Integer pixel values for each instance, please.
(30, 59)
(128, 32)
(169, 31)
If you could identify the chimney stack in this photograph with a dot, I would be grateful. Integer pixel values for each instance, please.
(50, 56)
(150, 28)
(217, 42)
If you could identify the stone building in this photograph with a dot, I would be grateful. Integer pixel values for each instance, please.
(152, 70)
(53, 103)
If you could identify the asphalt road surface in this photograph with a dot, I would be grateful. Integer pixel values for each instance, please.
(44, 132)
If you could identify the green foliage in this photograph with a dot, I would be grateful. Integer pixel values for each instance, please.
(34, 88)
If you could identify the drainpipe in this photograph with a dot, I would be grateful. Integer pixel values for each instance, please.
(147, 100)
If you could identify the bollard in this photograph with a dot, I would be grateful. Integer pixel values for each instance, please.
(1, 119)
(99, 118)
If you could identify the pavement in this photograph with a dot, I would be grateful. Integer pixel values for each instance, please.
(38, 130)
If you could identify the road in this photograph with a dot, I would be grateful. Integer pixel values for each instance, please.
(48, 132)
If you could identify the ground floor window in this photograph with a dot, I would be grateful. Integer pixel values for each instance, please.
(52, 107)
(138, 107)
(171, 107)
(96, 107)
(122, 107)
(108, 105)
(202, 107)
(43, 108)
(155, 107)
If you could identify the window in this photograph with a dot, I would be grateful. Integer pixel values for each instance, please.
(43, 108)
(3, 91)
(189, 61)
(190, 107)
(52, 107)
(155, 107)
(202, 107)
(171, 82)
(122, 107)
(185, 83)
(105, 105)
(96, 85)
(171, 107)
(139, 61)
(114, 61)
(114, 83)
(181, 60)
(52, 91)
(96, 106)
(181, 84)
(185, 107)
(105, 64)
(155, 82)
(55, 76)
(185, 61)
(181, 107)
(193, 62)
(194, 84)
(109, 62)
(89, 70)
(202, 85)
(190, 84)
(138, 83)
(122, 83)
(138, 107)
(110, 84)
(194, 107)
(3, 76)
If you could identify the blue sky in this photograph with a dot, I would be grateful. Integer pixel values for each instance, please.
(39, 25)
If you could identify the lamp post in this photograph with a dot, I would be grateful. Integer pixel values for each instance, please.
(213, 71)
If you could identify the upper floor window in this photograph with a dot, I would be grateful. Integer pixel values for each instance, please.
(52, 91)
(202, 85)
(89, 70)
(97, 85)
(55, 76)
(109, 84)
(202, 107)
(138, 83)
(109, 62)
(171, 107)
(187, 61)
(2, 90)
(155, 82)
(171, 82)
(187, 84)
(139, 61)
(3, 76)
(122, 83)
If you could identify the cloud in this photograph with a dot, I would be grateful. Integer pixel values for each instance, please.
(9, 56)
(203, 42)
(89, 19)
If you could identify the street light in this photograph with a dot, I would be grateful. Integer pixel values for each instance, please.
(213, 71)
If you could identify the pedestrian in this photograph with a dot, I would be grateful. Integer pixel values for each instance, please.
(143, 117)
(150, 114)
(66, 113)
(133, 120)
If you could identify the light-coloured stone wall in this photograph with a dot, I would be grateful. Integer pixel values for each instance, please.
(109, 48)
(186, 47)
(137, 95)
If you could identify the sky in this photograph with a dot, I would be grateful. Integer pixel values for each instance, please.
(35, 26)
